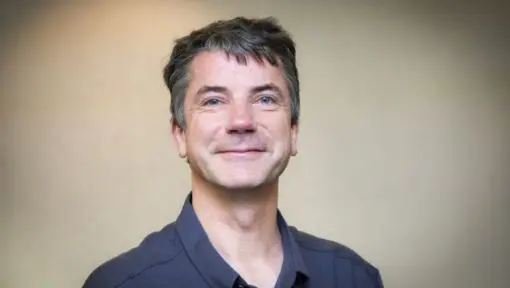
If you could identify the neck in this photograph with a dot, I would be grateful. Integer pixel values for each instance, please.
(240, 224)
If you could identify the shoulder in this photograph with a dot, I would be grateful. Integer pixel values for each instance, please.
(157, 248)
(346, 260)
(320, 245)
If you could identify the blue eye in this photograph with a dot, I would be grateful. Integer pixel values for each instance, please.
(266, 100)
(212, 102)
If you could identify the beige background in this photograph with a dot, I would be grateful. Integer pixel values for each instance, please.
(404, 144)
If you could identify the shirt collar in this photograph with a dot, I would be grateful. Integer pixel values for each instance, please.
(215, 270)
(294, 268)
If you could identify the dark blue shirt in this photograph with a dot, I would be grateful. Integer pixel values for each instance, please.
(181, 256)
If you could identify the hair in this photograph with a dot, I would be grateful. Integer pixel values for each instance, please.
(258, 38)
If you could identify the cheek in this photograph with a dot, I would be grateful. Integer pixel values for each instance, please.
(202, 132)
(281, 134)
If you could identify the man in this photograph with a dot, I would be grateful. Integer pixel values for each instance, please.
(235, 106)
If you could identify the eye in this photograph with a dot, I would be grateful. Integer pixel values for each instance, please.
(212, 102)
(267, 100)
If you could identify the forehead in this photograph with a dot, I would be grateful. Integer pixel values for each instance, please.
(218, 68)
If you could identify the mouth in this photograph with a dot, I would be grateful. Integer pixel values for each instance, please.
(241, 152)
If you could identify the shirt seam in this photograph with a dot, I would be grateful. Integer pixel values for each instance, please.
(132, 277)
(358, 263)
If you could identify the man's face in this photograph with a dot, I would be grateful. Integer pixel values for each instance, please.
(238, 131)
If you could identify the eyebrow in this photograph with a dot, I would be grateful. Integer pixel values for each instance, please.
(206, 89)
(266, 87)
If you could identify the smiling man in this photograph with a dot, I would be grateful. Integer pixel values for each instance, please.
(235, 107)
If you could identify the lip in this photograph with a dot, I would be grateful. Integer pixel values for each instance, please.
(241, 153)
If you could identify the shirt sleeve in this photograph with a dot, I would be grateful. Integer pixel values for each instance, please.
(366, 277)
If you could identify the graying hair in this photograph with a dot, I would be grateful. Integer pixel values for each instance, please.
(240, 37)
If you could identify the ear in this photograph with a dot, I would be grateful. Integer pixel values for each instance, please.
(294, 129)
(179, 136)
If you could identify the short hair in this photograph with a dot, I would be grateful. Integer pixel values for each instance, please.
(240, 37)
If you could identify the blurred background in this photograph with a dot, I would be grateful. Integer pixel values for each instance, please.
(404, 140)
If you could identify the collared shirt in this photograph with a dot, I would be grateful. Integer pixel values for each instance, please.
(181, 256)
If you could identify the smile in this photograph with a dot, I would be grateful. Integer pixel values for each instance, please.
(244, 154)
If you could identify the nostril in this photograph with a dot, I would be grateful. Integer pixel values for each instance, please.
(240, 130)
(241, 125)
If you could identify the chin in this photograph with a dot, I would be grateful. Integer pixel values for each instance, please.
(240, 183)
(239, 175)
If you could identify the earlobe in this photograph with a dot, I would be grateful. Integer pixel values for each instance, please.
(179, 138)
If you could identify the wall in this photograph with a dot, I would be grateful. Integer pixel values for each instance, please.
(404, 145)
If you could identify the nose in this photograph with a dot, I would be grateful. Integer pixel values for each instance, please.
(240, 119)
